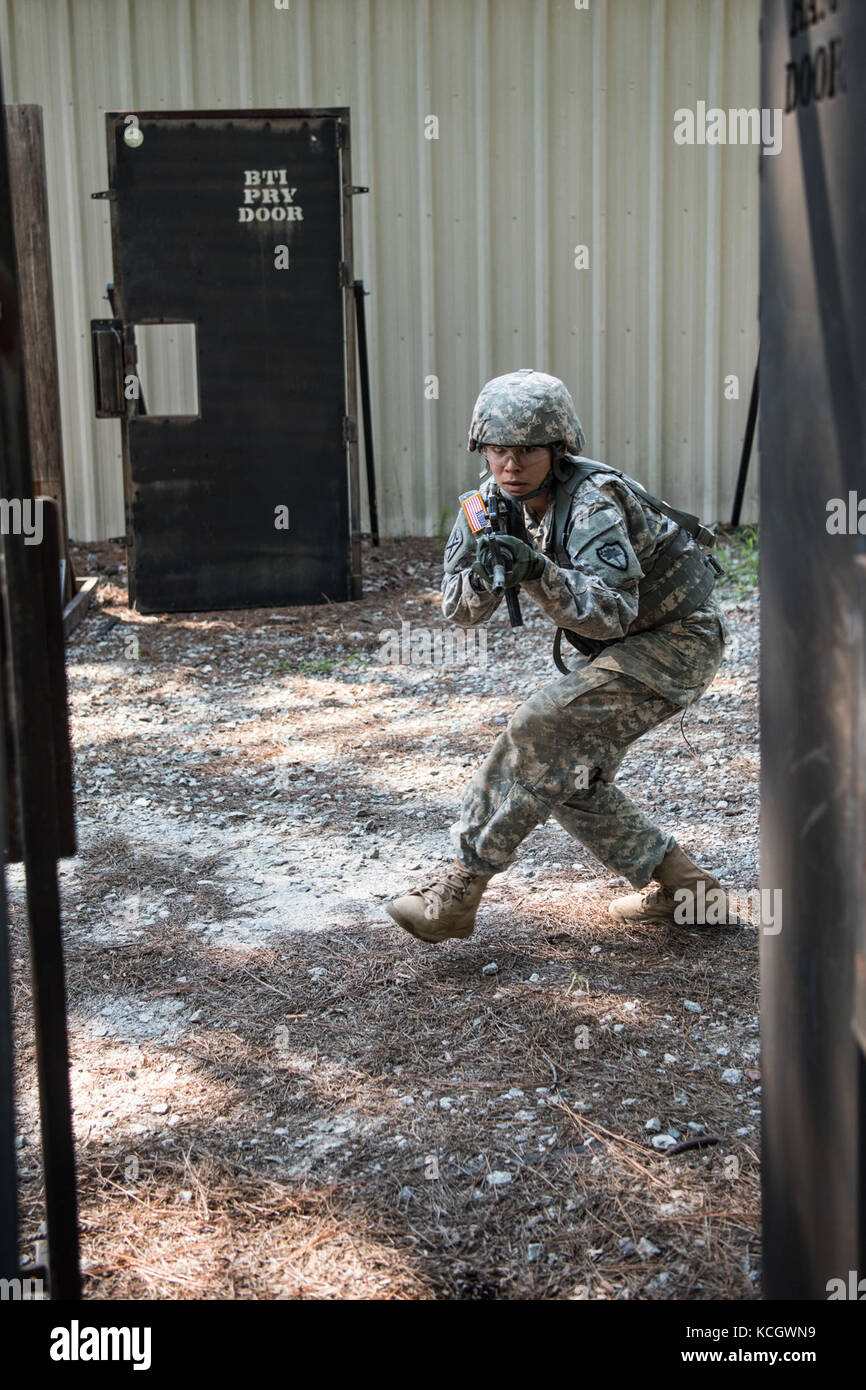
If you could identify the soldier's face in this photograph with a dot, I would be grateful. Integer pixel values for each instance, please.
(516, 468)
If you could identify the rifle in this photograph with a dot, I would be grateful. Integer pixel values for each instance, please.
(482, 524)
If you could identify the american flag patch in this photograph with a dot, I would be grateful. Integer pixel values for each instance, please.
(476, 512)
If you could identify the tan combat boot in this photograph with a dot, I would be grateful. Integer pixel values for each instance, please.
(706, 905)
(442, 906)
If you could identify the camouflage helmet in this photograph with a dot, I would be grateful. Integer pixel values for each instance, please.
(526, 407)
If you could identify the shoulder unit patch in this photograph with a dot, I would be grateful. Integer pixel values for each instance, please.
(455, 542)
(613, 554)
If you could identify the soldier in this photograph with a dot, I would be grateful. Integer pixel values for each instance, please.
(631, 589)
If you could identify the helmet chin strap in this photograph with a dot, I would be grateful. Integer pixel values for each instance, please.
(544, 487)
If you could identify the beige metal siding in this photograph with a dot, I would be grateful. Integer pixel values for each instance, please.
(555, 129)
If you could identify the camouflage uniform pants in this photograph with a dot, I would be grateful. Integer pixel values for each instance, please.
(558, 757)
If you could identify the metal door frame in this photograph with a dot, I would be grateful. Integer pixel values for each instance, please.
(341, 115)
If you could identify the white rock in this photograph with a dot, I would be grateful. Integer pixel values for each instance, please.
(498, 1179)
(732, 1075)
(654, 1124)
(663, 1141)
(646, 1249)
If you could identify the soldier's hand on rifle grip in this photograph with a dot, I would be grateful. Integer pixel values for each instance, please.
(483, 566)
(520, 560)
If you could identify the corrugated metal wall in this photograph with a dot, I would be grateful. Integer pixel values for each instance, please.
(555, 128)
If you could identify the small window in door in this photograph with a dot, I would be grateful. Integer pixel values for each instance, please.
(168, 368)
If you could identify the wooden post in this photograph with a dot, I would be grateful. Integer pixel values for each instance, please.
(39, 342)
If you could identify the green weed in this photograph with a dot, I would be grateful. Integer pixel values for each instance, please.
(738, 552)
(306, 668)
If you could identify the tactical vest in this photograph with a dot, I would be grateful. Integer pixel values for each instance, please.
(680, 566)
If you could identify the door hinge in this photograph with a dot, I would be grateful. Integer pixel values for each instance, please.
(110, 193)
(350, 430)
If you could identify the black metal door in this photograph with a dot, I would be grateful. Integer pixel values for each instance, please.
(813, 447)
(240, 223)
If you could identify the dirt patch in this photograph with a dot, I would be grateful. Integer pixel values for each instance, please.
(278, 1094)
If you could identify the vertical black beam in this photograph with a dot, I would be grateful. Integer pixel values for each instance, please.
(35, 576)
(861, 1158)
(344, 142)
(746, 453)
(33, 621)
(8, 1173)
(364, 368)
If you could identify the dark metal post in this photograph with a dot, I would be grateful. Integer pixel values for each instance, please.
(8, 1174)
(813, 656)
(36, 711)
(365, 407)
(747, 448)
(36, 719)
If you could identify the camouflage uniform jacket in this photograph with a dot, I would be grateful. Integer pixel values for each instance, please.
(601, 541)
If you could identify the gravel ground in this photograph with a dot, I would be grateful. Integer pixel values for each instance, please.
(280, 1095)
